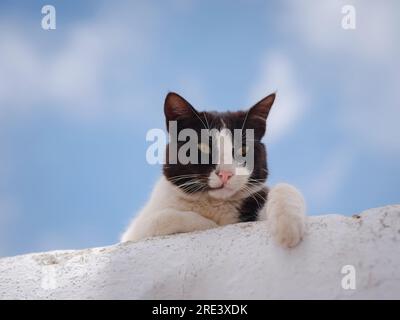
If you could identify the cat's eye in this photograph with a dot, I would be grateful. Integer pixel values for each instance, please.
(205, 148)
(243, 151)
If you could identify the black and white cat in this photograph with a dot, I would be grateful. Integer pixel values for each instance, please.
(199, 196)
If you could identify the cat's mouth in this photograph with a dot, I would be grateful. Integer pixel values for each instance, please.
(221, 192)
(217, 188)
(221, 187)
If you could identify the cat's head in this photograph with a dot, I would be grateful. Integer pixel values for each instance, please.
(216, 153)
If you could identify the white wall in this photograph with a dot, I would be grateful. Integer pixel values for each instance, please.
(238, 261)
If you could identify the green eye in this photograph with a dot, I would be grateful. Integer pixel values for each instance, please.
(243, 151)
(205, 148)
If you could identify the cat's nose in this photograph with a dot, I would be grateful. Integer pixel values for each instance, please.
(224, 176)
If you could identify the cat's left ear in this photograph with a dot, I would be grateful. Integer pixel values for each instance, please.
(258, 114)
(261, 108)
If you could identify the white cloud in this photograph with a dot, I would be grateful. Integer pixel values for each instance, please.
(366, 79)
(319, 24)
(369, 110)
(72, 76)
(323, 185)
(277, 74)
(371, 114)
(191, 88)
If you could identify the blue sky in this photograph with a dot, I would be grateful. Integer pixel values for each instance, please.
(76, 104)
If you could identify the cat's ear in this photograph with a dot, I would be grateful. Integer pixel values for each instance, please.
(258, 114)
(176, 107)
(261, 108)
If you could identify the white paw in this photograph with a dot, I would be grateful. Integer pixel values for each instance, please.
(286, 213)
(287, 230)
(204, 224)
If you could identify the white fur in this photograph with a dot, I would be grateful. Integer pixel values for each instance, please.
(170, 210)
(226, 162)
(285, 210)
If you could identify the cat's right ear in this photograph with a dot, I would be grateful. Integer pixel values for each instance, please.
(176, 107)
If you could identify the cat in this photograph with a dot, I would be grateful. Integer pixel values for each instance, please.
(200, 196)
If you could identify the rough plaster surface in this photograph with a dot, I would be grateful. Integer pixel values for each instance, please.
(235, 262)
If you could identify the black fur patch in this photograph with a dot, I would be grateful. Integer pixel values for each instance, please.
(251, 206)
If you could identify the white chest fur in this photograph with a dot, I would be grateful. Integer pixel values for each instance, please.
(166, 195)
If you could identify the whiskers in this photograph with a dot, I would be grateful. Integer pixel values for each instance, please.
(189, 183)
(251, 189)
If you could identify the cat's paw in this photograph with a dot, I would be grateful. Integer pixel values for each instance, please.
(203, 223)
(287, 231)
(286, 214)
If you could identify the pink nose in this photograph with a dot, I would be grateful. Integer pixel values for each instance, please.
(224, 176)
